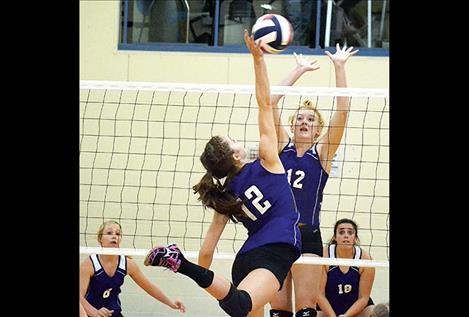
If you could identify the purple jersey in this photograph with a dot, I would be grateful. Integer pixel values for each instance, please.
(342, 288)
(104, 290)
(269, 205)
(307, 179)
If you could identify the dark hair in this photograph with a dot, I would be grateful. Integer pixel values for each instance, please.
(341, 221)
(217, 159)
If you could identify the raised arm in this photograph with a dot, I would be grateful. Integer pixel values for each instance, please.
(302, 66)
(268, 137)
(153, 290)
(331, 140)
(211, 239)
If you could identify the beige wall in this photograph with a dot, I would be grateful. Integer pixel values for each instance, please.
(100, 60)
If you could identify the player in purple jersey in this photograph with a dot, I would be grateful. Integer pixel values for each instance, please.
(258, 195)
(101, 277)
(307, 158)
(345, 290)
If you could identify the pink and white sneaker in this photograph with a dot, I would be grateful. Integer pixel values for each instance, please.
(169, 257)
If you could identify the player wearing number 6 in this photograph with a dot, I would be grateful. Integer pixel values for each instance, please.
(101, 277)
(258, 195)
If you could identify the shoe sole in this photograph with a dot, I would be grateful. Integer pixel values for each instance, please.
(147, 258)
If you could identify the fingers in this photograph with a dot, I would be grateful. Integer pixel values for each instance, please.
(257, 43)
(345, 52)
(246, 36)
(350, 52)
(104, 312)
(250, 43)
(305, 62)
(299, 58)
(180, 306)
(312, 66)
(249, 39)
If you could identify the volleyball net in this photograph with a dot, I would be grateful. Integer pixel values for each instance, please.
(139, 158)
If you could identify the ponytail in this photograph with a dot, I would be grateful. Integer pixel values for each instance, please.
(213, 194)
(217, 159)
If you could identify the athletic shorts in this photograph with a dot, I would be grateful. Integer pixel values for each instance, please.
(277, 258)
(311, 241)
(370, 302)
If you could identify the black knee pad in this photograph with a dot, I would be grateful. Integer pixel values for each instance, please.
(237, 303)
(280, 313)
(306, 312)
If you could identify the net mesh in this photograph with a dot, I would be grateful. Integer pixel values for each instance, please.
(139, 158)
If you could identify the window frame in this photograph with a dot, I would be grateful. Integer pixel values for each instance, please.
(228, 48)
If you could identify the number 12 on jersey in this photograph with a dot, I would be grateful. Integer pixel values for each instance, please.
(297, 182)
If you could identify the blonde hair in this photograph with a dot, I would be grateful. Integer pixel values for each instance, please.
(103, 225)
(307, 105)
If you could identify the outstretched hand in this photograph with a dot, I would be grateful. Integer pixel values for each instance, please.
(253, 46)
(341, 55)
(180, 306)
(305, 64)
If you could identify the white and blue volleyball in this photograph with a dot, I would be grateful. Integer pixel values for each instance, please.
(274, 32)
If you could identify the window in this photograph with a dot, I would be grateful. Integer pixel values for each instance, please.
(218, 25)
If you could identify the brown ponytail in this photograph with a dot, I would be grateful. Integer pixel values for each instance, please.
(217, 159)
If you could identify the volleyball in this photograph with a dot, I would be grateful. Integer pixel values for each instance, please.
(274, 32)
